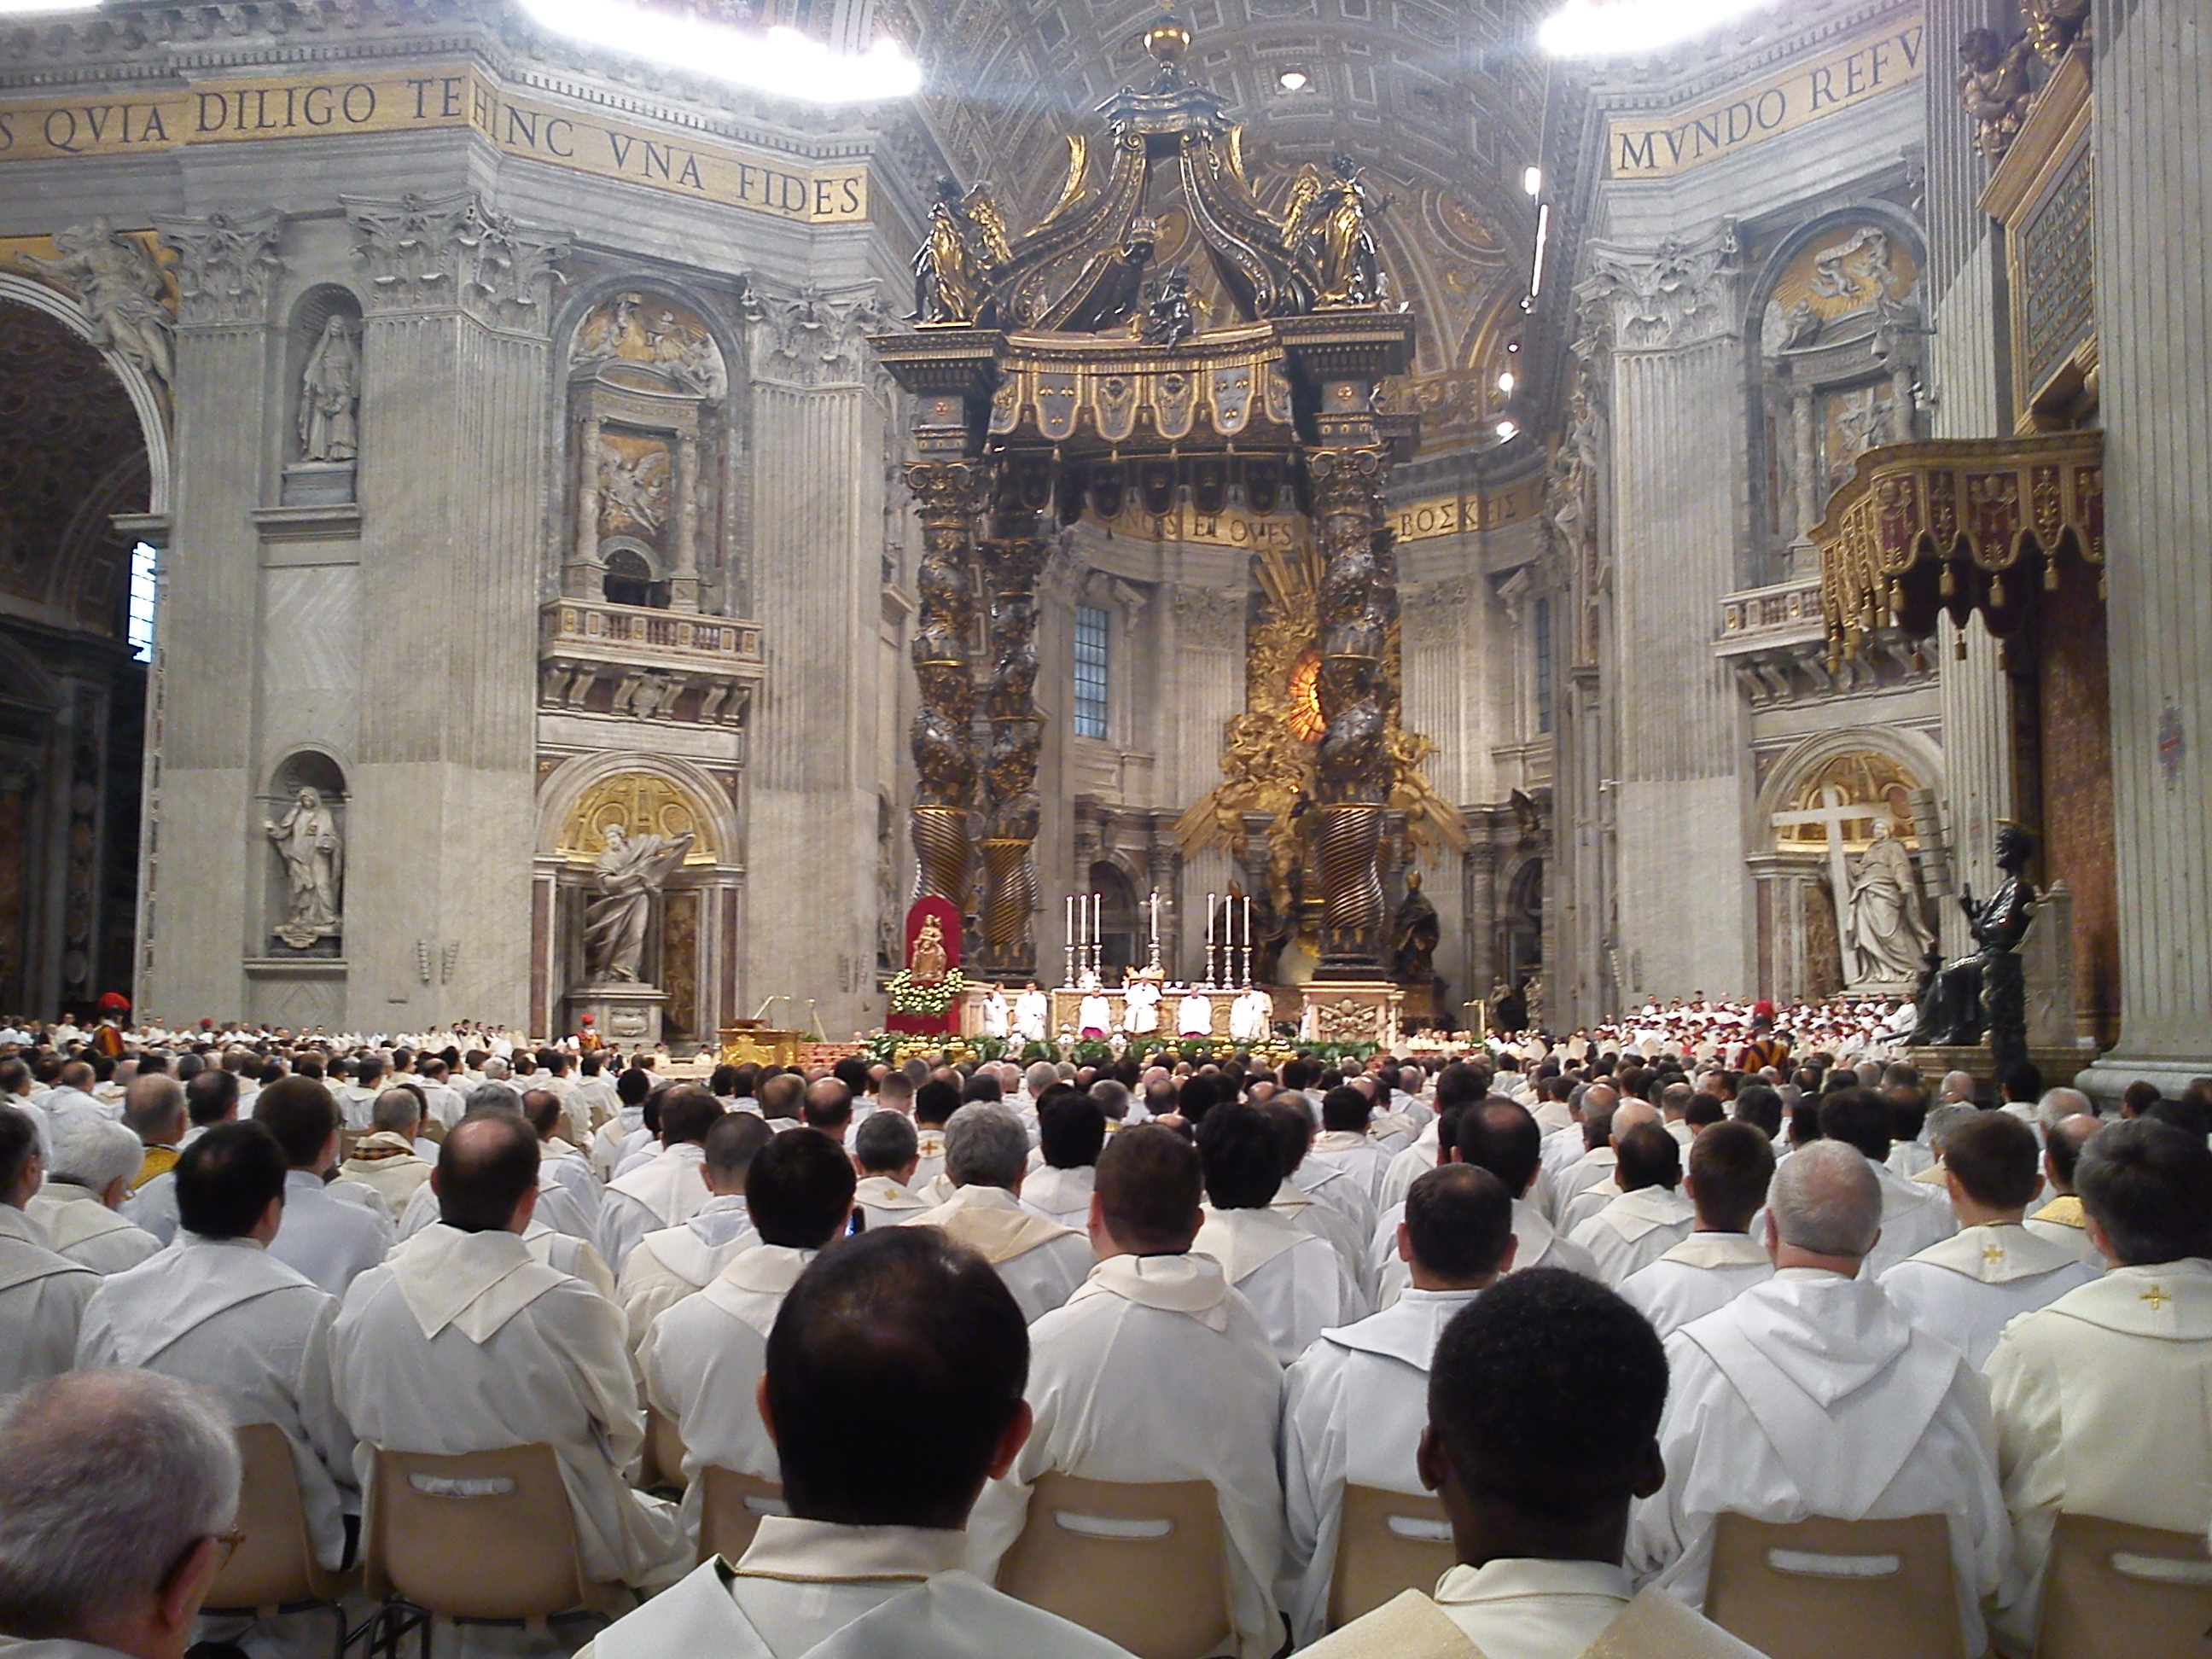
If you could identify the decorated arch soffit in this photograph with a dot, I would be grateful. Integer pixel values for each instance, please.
(640, 802)
(643, 341)
(1877, 770)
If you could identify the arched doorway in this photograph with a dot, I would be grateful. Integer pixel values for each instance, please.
(77, 615)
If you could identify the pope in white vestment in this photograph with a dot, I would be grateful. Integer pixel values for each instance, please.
(1140, 1006)
(228, 1316)
(463, 1342)
(1156, 1369)
(1251, 1016)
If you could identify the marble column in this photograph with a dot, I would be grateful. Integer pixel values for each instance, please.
(2153, 140)
(1480, 868)
(586, 571)
(684, 581)
(1676, 490)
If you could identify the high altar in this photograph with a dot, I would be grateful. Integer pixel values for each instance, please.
(1058, 374)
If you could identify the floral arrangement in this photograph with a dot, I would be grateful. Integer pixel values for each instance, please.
(910, 995)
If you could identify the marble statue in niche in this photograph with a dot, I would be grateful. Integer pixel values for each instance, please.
(329, 396)
(628, 874)
(1881, 912)
(307, 839)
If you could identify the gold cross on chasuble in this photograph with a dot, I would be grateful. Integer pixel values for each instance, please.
(2156, 1296)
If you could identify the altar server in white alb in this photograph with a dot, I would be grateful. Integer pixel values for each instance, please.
(1730, 1165)
(215, 1308)
(868, 1563)
(88, 1183)
(1650, 1218)
(987, 1152)
(1966, 1288)
(670, 1263)
(1810, 1395)
(1156, 1369)
(702, 1359)
(1355, 1405)
(670, 1187)
(464, 1341)
(42, 1294)
(1544, 1396)
(1299, 1283)
(2100, 1397)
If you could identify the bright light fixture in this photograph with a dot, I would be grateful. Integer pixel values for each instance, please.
(1507, 432)
(1292, 80)
(1609, 28)
(32, 7)
(782, 61)
(1532, 180)
(1506, 382)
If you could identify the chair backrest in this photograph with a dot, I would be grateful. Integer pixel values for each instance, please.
(1144, 1564)
(730, 1510)
(1824, 1588)
(664, 1450)
(485, 1534)
(1386, 1542)
(276, 1564)
(2116, 1591)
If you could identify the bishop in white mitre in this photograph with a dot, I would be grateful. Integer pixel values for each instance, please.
(1650, 1218)
(1730, 1165)
(986, 1158)
(1155, 1370)
(2100, 1397)
(464, 1341)
(42, 1293)
(671, 1263)
(1297, 1283)
(703, 1358)
(217, 1310)
(670, 1187)
(1811, 1394)
(1968, 1287)
(1355, 1403)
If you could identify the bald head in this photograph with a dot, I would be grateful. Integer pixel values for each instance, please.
(153, 1109)
(487, 1175)
(2059, 1104)
(397, 1112)
(2062, 1148)
(1825, 1200)
(1632, 1114)
(1958, 1086)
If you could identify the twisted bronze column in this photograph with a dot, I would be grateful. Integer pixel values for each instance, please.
(1352, 767)
(949, 494)
(1011, 564)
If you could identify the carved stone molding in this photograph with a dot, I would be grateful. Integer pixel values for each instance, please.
(225, 266)
(1206, 620)
(452, 252)
(1679, 294)
(814, 338)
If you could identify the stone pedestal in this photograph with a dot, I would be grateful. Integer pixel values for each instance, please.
(625, 1016)
(2058, 1064)
(318, 483)
(1351, 1011)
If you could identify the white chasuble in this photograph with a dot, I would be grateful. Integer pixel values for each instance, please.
(78, 1225)
(1040, 1261)
(1704, 1272)
(1634, 1230)
(2063, 1222)
(666, 1191)
(42, 1299)
(883, 1203)
(1156, 1369)
(1060, 1196)
(1298, 1284)
(670, 1263)
(1966, 1289)
(1532, 1609)
(465, 1342)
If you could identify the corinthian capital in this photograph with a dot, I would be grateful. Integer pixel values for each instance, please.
(446, 252)
(1678, 294)
(225, 267)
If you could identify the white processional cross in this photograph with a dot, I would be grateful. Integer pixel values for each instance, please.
(1833, 815)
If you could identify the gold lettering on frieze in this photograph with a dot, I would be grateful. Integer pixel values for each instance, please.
(267, 109)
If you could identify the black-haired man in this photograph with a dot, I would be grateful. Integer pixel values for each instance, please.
(1650, 1218)
(670, 1263)
(1298, 1282)
(1730, 1165)
(669, 1189)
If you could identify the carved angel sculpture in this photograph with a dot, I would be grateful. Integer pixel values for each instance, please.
(967, 242)
(1325, 227)
(1993, 88)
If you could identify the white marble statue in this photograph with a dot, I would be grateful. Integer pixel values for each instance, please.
(629, 873)
(330, 395)
(307, 839)
(1886, 935)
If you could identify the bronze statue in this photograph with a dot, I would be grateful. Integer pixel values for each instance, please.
(1168, 319)
(1413, 934)
(1985, 992)
(1325, 227)
(952, 271)
(2053, 26)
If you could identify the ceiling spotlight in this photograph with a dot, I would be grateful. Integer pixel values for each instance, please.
(1607, 29)
(1532, 180)
(782, 61)
(1505, 381)
(1291, 80)
(1507, 432)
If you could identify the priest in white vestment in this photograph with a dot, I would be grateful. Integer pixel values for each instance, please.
(703, 1358)
(332, 1234)
(1968, 1287)
(1155, 1370)
(2100, 1398)
(1140, 1005)
(669, 1189)
(1355, 1402)
(1811, 1394)
(1297, 1283)
(559, 1157)
(1251, 1016)
(88, 1184)
(1344, 1146)
(214, 1308)
(886, 1153)
(671, 1263)
(42, 1293)
(388, 1160)
(1544, 1397)
(2062, 1220)
(1730, 1165)
(1071, 1131)
(1650, 1218)
(1914, 1214)
(869, 1562)
(613, 1140)
(1593, 1181)
(986, 1158)
(1194, 1015)
(1032, 1014)
(463, 1341)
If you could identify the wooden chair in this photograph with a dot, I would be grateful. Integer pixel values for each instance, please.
(1144, 1564)
(664, 1453)
(1824, 1588)
(730, 1510)
(274, 1569)
(2116, 1591)
(1386, 1542)
(484, 1537)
